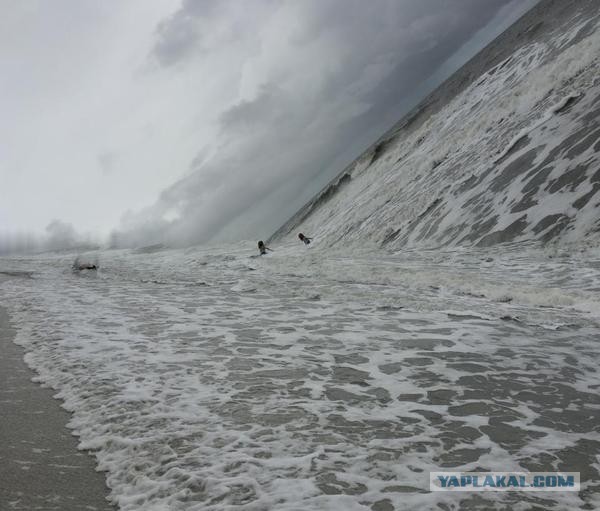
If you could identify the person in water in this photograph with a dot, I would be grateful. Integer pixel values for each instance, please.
(263, 248)
(304, 239)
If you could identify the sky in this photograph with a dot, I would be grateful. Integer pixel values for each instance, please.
(188, 121)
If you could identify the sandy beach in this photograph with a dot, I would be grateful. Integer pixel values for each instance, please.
(40, 466)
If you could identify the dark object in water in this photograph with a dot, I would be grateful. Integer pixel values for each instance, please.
(263, 248)
(79, 265)
(304, 239)
(85, 266)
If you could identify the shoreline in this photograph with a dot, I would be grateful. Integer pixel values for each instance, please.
(40, 465)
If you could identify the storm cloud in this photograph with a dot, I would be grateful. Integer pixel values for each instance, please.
(217, 119)
(319, 81)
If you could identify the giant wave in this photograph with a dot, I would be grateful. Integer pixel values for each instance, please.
(505, 150)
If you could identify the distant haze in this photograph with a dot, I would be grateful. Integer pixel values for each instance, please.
(188, 121)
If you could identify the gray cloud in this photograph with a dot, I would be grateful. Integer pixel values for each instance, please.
(199, 26)
(178, 35)
(59, 235)
(331, 76)
(210, 119)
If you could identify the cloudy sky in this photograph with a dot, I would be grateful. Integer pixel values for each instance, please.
(185, 121)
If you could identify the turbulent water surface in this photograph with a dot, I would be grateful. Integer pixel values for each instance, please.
(508, 149)
(320, 379)
(337, 377)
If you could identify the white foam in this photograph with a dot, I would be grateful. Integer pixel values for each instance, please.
(318, 379)
(208, 397)
(536, 124)
(477, 129)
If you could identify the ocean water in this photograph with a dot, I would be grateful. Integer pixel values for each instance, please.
(320, 378)
(507, 150)
(337, 376)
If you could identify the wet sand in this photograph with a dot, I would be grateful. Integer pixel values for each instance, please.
(40, 466)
